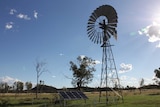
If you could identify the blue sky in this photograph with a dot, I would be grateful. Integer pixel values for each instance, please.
(55, 31)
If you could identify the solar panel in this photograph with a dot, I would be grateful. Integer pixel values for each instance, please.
(69, 95)
(64, 95)
(76, 94)
(82, 95)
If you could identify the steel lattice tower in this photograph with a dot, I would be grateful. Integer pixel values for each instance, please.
(109, 75)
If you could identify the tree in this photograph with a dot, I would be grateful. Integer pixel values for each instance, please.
(6, 87)
(2, 87)
(141, 84)
(82, 71)
(18, 86)
(40, 68)
(28, 86)
(157, 75)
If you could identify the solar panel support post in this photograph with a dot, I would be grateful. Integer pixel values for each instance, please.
(64, 103)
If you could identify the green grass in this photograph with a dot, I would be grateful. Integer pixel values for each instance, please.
(25, 100)
(141, 101)
(148, 98)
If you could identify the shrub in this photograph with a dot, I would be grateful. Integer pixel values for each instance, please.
(4, 102)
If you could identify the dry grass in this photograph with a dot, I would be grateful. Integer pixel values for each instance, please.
(148, 98)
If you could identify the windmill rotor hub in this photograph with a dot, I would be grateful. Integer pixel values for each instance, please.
(103, 25)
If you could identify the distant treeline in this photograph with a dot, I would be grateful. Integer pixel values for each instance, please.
(50, 89)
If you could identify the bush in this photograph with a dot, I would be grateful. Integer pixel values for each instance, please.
(4, 102)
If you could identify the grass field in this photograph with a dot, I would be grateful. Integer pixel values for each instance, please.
(148, 98)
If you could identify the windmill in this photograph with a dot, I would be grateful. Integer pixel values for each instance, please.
(101, 27)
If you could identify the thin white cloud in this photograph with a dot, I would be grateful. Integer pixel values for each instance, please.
(123, 78)
(148, 81)
(153, 39)
(133, 81)
(129, 81)
(9, 25)
(61, 54)
(35, 14)
(12, 11)
(53, 76)
(125, 68)
(158, 46)
(152, 31)
(23, 16)
(8, 80)
(124, 81)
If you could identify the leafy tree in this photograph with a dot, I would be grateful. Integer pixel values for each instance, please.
(18, 86)
(1, 87)
(4, 87)
(28, 86)
(82, 71)
(157, 75)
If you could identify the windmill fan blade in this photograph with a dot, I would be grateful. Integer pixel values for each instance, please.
(100, 38)
(96, 38)
(93, 37)
(113, 33)
(90, 27)
(93, 18)
(91, 33)
(90, 22)
(111, 29)
(112, 25)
